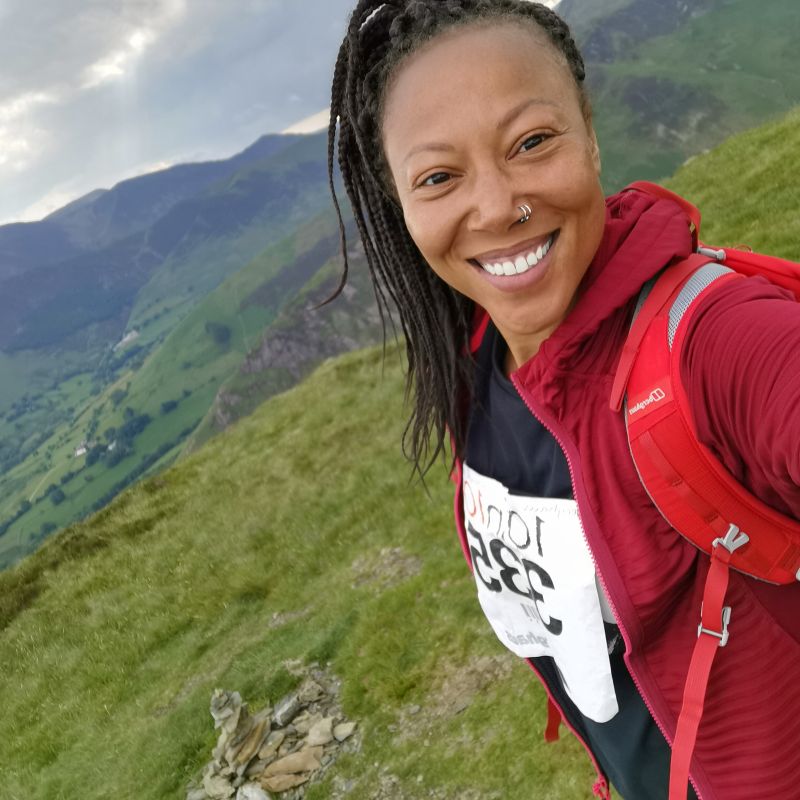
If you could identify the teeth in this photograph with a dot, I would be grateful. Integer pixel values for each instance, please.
(520, 264)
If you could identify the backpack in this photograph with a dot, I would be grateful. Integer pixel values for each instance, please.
(689, 486)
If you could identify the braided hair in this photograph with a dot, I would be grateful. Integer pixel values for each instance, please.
(435, 319)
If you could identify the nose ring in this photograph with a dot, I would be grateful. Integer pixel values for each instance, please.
(526, 213)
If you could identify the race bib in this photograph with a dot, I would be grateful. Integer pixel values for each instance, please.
(537, 586)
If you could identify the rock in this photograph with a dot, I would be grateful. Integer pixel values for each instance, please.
(251, 791)
(310, 692)
(413, 710)
(321, 732)
(302, 722)
(196, 794)
(294, 666)
(306, 760)
(286, 710)
(280, 783)
(250, 745)
(225, 709)
(271, 745)
(217, 788)
(255, 768)
(344, 731)
(289, 746)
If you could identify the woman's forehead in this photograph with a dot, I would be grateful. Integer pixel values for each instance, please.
(485, 68)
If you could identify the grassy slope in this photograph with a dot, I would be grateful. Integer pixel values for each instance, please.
(747, 189)
(135, 616)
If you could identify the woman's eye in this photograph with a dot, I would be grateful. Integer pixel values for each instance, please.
(532, 141)
(436, 179)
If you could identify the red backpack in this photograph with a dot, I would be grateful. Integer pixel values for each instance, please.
(690, 487)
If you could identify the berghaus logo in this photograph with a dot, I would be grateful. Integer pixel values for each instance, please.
(655, 396)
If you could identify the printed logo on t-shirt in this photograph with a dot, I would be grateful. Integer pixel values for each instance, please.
(537, 586)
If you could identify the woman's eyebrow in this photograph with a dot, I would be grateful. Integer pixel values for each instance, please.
(436, 146)
(525, 104)
(509, 117)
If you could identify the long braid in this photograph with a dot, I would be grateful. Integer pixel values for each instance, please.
(434, 318)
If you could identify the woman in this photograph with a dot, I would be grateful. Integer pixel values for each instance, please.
(467, 151)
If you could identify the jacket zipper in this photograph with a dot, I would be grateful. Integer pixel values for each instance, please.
(524, 395)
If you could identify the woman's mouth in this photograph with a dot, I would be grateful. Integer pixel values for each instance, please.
(514, 271)
(521, 263)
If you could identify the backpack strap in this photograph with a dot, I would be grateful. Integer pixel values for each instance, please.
(652, 299)
(712, 633)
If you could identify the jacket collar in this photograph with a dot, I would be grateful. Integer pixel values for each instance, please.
(642, 235)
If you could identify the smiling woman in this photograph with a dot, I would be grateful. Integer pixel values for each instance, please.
(467, 151)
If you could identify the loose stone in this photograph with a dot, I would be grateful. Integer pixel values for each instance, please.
(281, 783)
(286, 710)
(306, 760)
(321, 733)
(344, 731)
(251, 791)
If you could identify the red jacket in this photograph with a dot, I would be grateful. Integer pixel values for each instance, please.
(742, 373)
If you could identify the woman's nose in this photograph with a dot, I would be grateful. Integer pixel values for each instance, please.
(494, 202)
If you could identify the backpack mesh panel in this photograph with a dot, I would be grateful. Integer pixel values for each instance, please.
(704, 276)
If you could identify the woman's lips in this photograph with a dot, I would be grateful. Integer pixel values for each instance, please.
(516, 264)
(528, 267)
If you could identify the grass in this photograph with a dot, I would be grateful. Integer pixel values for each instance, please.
(115, 633)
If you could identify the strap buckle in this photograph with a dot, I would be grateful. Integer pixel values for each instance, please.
(733, 539)
(721, 635)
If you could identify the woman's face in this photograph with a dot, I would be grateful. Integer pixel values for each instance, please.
(476, 123)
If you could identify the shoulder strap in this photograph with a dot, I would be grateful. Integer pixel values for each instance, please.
(664, 287)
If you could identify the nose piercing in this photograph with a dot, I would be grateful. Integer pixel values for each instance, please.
(526, 212)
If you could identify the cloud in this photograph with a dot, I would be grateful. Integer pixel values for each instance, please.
(91, 89)
(117, 63)
(316, 122)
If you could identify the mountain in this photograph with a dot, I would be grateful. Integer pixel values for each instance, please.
(295, 537)
(75, 335)
(670, 79)
(255, 335)
(45, 306)
(104, 216)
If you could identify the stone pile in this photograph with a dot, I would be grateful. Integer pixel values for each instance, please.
(276, 751)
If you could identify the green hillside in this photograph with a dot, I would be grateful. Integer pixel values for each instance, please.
(163, 400)
(747, 189)
(668, 79)
(115, 633)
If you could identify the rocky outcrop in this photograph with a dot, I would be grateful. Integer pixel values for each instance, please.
(278, 751)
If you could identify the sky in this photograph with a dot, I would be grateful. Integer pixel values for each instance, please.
(96, 91)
